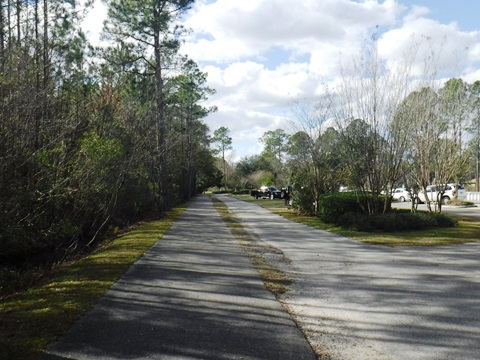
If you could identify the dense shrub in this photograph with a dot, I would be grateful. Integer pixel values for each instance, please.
(394, 221)
(334, 205)
(303, 201)
(347, 210)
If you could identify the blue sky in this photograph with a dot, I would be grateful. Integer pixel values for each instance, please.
(464, 12)
(262, 56)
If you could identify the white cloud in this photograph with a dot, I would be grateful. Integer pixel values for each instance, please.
(229, 30)
(93, 23)
(251, 83)
(260, 55)
(238, 36)
(445, 45)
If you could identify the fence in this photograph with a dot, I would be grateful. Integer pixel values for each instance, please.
(473, 196)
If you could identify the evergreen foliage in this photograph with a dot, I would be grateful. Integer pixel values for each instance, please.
(94, 141)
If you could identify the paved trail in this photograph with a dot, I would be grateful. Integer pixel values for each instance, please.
(357, 301)
(194, 295)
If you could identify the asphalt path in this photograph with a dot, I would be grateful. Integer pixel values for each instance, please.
(359, 301)
(194, 295)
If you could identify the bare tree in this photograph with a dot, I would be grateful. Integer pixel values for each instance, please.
(475, 129)
(314, 165)
(364, 106)
(437, 143)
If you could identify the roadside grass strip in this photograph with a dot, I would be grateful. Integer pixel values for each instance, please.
(468, 229)
(31, 319)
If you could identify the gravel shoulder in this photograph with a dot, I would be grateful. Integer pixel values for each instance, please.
(359, 301)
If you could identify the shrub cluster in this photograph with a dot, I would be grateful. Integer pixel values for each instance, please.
(303, 201)
(334, 205)
(394, 221)
(345, 210)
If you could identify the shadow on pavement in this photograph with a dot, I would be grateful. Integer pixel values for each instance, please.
(194, 295)
(365, 301)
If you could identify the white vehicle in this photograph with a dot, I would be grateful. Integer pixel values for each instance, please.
(401, 194)
(452, 191)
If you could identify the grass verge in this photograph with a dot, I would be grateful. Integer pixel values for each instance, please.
(31, 319)
(268, 260)
(468, 229)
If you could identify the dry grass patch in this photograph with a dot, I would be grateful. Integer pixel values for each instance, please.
(269, 261)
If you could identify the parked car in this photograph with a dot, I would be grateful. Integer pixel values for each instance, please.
(401, 194)
(267, 192)
(452, 191)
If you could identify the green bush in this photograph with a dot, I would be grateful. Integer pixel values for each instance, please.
(303, 201)
(220, 192)
(333, 206)
(347, 211)
(394, 221)
(440, 219)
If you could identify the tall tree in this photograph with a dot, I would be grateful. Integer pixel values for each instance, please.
(83, 144)
(140, 28)
(183, 99)
(455, 114)
(475, 130)
(371, 91)
(222, 142)
(254, 171)
(435, 122)
(275, 147)
(275, 144)
(303, 171)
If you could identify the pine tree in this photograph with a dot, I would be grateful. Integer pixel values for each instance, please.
(141, 28)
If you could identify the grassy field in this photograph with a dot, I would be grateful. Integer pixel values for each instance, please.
(32, 319)
(468, 229)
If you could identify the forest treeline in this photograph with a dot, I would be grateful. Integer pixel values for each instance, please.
(94, 139)
(372, 142)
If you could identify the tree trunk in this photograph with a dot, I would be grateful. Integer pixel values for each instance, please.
(19, 10)
(2, 31)
(161, 128)
(9, 24)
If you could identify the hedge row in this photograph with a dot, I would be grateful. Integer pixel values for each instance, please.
(347, 211)
(394, 221)
(334, 205)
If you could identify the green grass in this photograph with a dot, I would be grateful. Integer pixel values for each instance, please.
(31, 319)
(468, 229)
